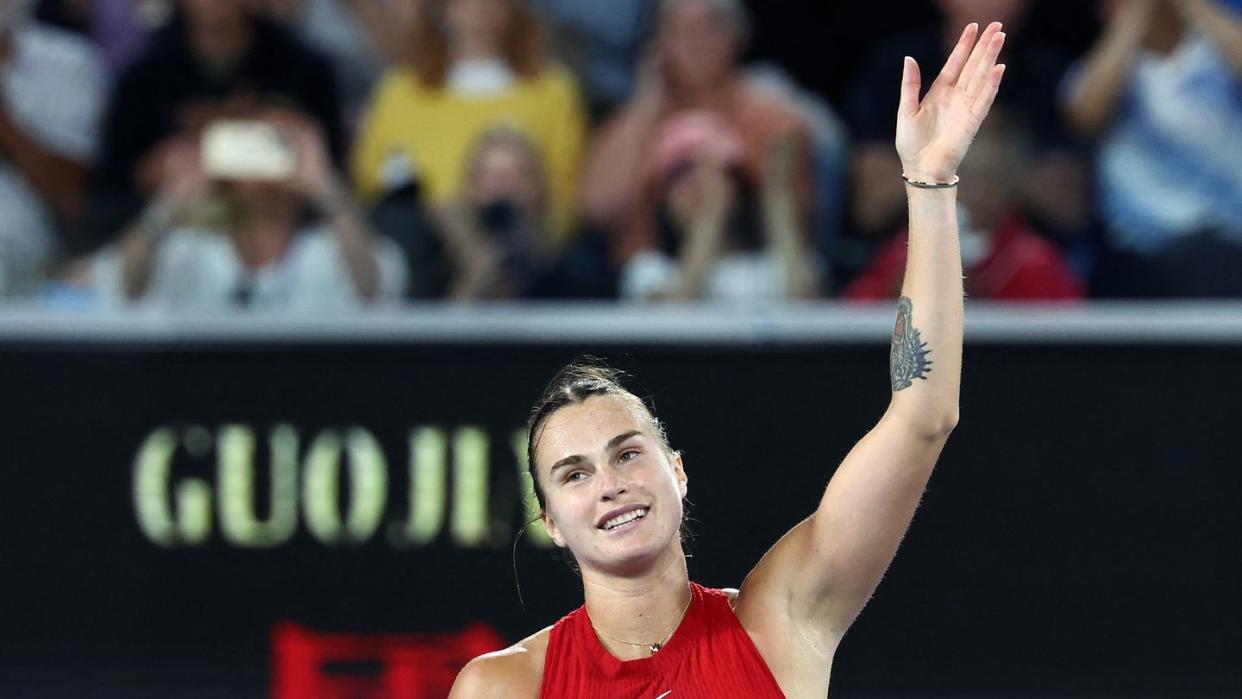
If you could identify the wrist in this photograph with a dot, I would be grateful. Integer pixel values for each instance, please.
(917, 181)
(928, 173)
(332, 198)
(157, 218)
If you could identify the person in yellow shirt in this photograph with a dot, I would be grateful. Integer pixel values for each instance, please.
(476, 64)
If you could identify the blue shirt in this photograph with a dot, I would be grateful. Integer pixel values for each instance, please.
(1170, 165)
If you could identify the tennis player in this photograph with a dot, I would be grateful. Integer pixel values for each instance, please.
(611, 489)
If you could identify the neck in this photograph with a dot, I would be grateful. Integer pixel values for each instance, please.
(641, 609)
(475, 49)
(220, 44)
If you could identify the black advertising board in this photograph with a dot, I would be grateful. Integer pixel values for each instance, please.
(166, 506)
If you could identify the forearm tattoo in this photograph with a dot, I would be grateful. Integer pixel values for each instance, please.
(907, 360)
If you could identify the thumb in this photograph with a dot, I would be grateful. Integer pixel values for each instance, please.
(911, 84)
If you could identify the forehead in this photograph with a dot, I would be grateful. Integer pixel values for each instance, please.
(504, 156)
(585, 428)
(697, 12)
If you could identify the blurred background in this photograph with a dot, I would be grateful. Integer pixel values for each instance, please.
(279, 280)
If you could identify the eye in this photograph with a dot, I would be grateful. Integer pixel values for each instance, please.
(573, 477)
(628, 455)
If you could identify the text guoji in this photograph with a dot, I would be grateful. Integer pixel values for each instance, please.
(340, 486)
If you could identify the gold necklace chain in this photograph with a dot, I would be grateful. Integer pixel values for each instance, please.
(653, 647)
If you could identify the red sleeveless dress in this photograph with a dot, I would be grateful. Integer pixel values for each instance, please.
(708, 657)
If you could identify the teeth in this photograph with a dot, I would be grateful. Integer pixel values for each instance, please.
(627, 517)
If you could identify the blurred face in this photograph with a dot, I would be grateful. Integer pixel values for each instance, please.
(477, 20)
(268, 200)
(959, 13)
(216, 13)
(613, 495)
(506, 173)
(699, 44)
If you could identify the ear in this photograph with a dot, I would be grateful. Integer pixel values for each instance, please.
(553, 531)
(679, 472)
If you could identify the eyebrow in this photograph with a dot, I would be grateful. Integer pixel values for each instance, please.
(579, 458)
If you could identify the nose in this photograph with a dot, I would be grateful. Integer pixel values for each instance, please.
(612, 485)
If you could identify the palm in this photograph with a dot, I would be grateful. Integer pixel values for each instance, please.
(934, 134)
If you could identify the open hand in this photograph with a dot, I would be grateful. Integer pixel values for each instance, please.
(313, 174)
(934, 134)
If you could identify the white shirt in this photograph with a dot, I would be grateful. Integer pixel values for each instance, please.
(1169, 165)
(738, 278)
(53, 89)
(198, 269)
(481, 78)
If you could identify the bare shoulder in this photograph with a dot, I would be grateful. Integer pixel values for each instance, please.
(516, 671)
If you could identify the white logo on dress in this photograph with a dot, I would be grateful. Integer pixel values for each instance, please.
(665, 694)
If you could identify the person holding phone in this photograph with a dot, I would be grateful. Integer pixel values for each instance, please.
(610, 488)
(496, 231)
(252, 215)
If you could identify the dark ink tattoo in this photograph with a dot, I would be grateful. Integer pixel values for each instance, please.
(907, 360)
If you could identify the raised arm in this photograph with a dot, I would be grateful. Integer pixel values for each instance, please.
(1220, 24)
(182, 187)
(827, 567)
(315, 179)
(1107, 68)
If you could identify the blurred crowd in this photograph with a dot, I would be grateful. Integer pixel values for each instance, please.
(332, 154)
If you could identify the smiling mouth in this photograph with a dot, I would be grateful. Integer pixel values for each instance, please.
(620, 520)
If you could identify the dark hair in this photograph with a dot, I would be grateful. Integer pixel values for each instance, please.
(573, 384)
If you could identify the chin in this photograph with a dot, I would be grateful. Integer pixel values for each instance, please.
(633, 556)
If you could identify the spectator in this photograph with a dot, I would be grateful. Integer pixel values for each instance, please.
(1004, 257)
(716, 239)
(497, 229)
(389, 23)
(477, 64)
(253, 251)
(693, 65)
(214, 57)
(50, 101)
(1054, 191)
(1162, 91)
(602, 41)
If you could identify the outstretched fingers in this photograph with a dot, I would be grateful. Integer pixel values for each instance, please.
(983, 102)
(980, 77)
(978, 55)
(957, 59)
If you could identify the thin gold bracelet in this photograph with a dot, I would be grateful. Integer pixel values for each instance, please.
(931, 185)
